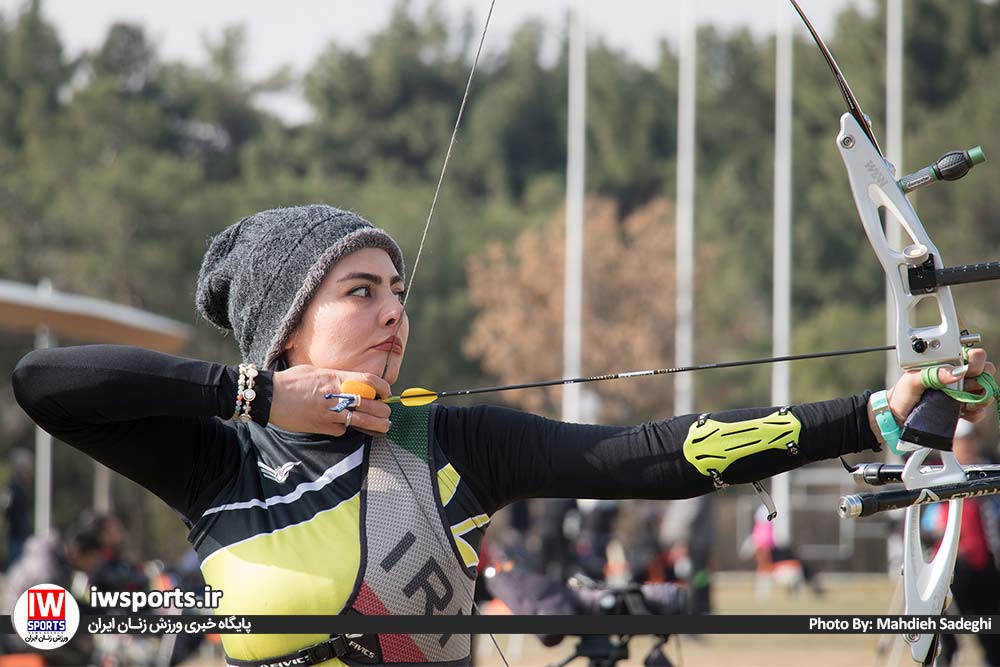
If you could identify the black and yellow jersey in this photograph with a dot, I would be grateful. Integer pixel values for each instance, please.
(292, 523)
(376, 525)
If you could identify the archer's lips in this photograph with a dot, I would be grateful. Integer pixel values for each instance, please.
(391, 344)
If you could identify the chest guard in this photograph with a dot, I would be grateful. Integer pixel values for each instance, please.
(411, 563)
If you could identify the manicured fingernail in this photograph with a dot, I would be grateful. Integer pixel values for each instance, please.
(390, 424)
(960, 371)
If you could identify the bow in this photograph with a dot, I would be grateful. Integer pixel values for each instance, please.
(915, 275)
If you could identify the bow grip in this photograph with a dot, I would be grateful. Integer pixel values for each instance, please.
(932, 422)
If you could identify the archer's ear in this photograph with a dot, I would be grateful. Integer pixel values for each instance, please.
(286, 359)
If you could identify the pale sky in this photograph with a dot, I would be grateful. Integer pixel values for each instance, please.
(294, 32)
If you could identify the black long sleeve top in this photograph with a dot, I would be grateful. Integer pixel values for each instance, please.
(160, 420)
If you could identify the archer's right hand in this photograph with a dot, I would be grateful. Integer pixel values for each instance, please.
(297, 402)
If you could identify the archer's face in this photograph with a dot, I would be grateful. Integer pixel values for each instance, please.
(350, 322)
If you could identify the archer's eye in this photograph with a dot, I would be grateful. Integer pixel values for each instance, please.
(401, 295)
(363, 290)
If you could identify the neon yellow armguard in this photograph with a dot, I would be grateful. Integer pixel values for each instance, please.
(711, 446)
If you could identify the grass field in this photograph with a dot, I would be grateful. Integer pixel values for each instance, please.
(735, 594)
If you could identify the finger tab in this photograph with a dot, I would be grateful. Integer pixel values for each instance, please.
(358, 387)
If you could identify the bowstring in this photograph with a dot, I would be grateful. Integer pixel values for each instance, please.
(413, 274)
(440, 182)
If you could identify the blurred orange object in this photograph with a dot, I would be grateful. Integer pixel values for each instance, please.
(496, 607)
(22, 660)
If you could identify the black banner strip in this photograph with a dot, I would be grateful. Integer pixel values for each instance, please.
(549, 625)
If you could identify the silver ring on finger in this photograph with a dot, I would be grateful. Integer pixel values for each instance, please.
(347, 421)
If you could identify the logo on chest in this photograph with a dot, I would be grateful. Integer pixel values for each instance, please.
(279, 473)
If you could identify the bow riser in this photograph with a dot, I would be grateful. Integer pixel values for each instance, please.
(926, 585)
(878, 197)
(875, 189)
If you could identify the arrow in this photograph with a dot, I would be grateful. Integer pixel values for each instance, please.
(416, 396)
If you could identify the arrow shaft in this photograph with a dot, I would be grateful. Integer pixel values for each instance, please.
(644, 373)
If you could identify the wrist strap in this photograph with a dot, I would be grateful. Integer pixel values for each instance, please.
(886, 422)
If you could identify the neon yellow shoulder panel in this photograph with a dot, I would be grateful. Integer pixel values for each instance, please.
(713, 445)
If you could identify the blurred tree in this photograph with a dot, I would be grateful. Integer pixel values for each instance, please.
(389, 109)
(517, 123)
(631, 123)
(35, 74)
(127, 57)
(943, 42)
(628, 308)
(211, 110)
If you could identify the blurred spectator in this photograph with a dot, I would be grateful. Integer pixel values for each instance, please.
(17, 502)
(647, 559)
(597, 525)
(558, 527)
(515, 540)
(976, 584)
(687, 532)
(111, 535)
(778, 563)
(52, 560)
(114, 572)
(574, 536)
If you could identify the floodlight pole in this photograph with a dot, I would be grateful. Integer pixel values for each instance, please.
(43, 441)
(782, 289)
(575, 161)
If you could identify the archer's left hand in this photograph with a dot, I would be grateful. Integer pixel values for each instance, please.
(906, 393)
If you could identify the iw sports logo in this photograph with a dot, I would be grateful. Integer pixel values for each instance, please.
(46, 616)
(46, 610)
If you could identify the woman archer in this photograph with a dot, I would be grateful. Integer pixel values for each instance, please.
(297, 509)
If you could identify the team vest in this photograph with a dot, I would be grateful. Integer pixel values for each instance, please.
(318, 525)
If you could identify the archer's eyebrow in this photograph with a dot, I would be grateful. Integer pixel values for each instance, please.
(370, 277)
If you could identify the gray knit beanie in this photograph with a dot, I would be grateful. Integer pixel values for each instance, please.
(259, 274)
